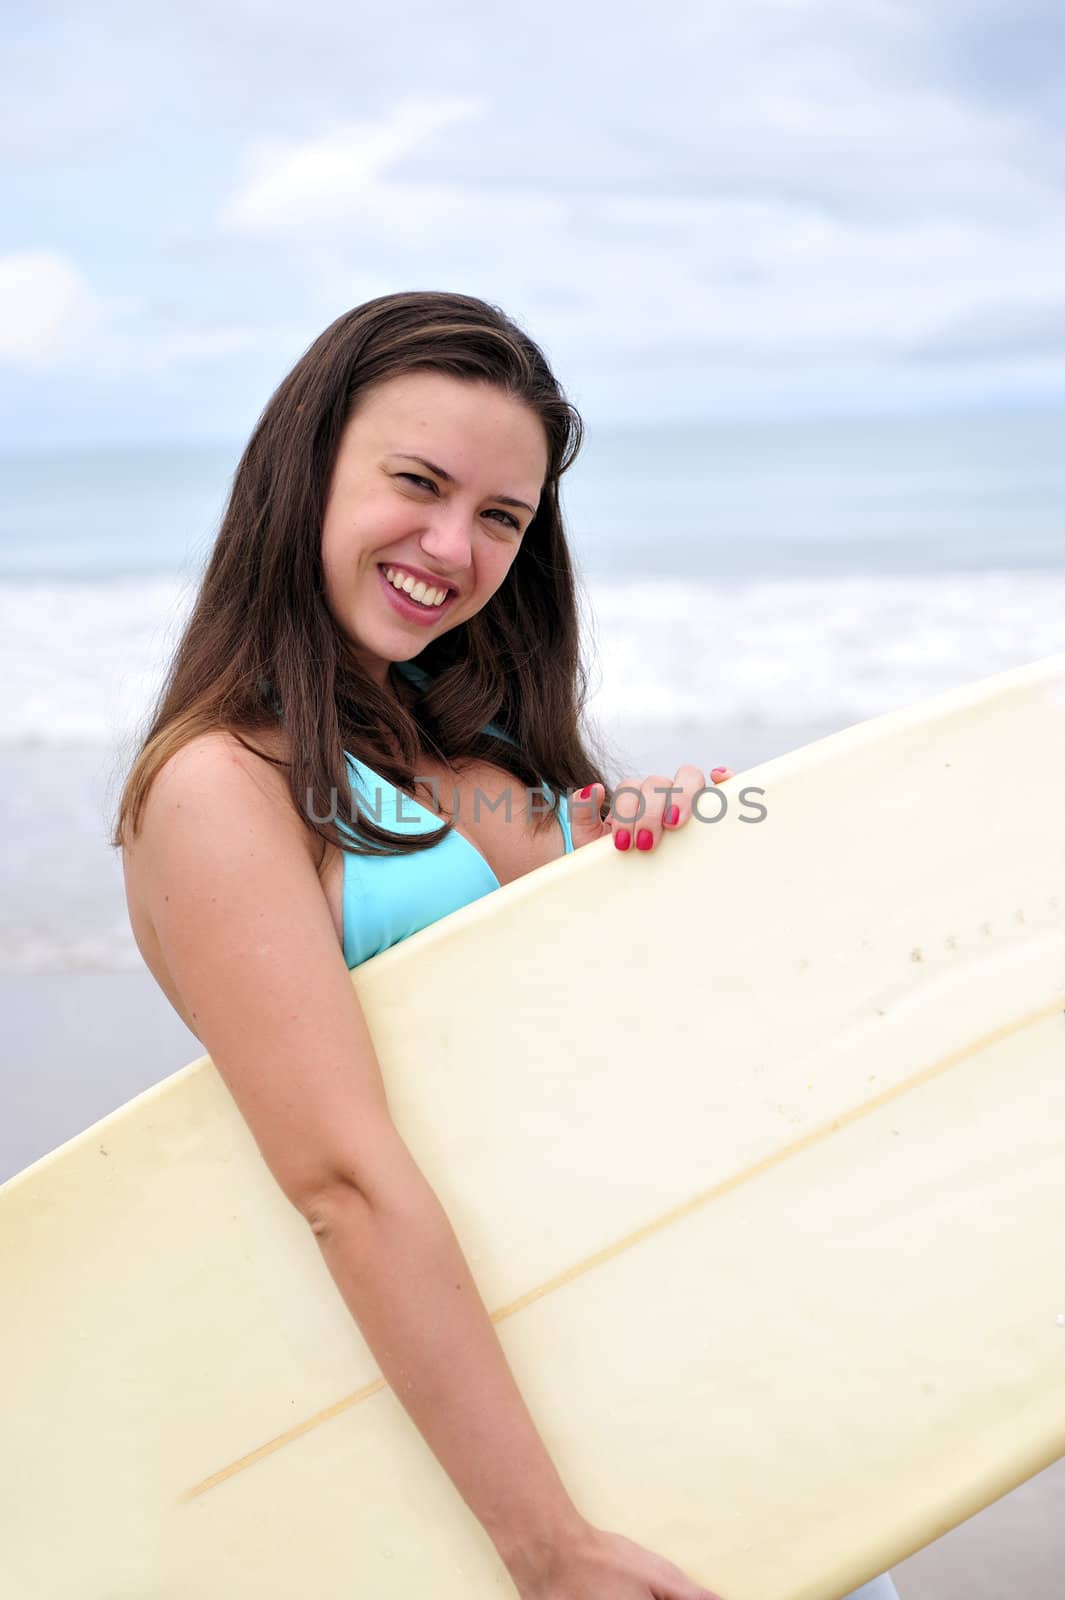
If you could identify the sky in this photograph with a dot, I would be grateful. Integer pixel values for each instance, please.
(699, 210)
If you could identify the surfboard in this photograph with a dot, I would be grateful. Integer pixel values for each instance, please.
(755, 1146)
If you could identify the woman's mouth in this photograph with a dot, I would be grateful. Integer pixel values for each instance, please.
(409, 608)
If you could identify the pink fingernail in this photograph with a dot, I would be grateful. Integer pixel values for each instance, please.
(585, 794)
(644, 839)
(621, 839)
(673, 815)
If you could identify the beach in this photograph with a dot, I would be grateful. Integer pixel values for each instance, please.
(775, 284)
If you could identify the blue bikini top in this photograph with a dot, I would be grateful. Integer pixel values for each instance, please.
(387, 898)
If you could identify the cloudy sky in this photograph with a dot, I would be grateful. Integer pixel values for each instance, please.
(699, 209)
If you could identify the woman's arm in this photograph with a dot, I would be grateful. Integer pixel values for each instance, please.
(402, 1273)
(226, 871)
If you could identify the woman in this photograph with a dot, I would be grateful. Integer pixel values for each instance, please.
(398, 499)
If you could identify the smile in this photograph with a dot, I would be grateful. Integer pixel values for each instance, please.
(422, 609)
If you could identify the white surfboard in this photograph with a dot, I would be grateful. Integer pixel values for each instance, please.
(756, 1148)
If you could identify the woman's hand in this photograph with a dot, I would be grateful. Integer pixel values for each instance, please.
(666, 807)
(607, 1566)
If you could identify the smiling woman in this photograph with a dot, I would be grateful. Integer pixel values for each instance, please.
(356, 611)
(452, 535)
(297, 610)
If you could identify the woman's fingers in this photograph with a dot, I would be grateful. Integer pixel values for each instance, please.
(636, 811)
(691, 781)
(586, 824)
(644, 808)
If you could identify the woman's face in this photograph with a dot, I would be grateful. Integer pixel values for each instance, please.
(436, 478)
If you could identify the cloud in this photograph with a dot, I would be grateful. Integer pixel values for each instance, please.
(806, 193)
(51, 318)
(805, 190)
(1003, 331)
(46, 307)
(310, 180)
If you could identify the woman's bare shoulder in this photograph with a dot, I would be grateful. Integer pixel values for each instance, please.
(221, 773)
(266, 747)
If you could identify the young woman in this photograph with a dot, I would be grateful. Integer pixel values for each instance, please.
(383, 653)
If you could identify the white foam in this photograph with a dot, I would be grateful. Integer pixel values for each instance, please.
(81, 662)
(794, 652)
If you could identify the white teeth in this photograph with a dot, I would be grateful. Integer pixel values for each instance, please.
(415, 588)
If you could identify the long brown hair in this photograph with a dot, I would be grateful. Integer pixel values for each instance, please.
(261, 643)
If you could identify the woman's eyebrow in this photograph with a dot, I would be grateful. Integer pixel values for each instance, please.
(504, 499)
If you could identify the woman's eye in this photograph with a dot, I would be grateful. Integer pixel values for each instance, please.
(427, 483)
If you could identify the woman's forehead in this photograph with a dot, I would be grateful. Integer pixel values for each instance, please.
(448, 420)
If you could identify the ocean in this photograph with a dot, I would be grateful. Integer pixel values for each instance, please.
(749, 587)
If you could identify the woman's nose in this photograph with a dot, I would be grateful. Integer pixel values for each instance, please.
(448, 536)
